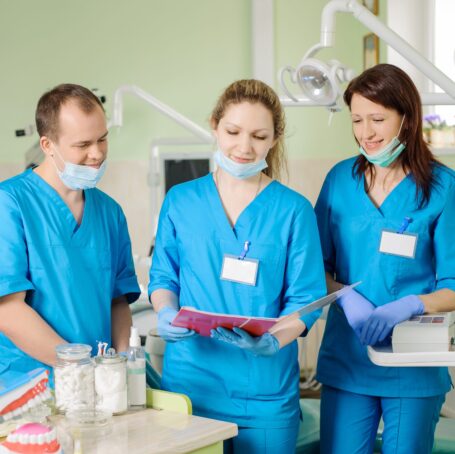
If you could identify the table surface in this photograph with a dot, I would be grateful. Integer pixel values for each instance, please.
(144, 432)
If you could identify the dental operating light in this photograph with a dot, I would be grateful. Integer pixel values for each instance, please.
(321, 82)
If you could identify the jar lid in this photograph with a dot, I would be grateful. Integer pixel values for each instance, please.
(73, 351)
(110, 357)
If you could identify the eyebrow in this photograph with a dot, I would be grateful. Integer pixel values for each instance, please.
(85, 142)
(256, 130)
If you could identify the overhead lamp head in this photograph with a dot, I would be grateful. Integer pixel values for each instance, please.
(318, 81)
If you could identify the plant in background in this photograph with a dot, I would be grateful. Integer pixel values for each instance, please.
(433, 121)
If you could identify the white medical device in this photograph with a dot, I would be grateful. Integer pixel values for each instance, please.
(425, 333)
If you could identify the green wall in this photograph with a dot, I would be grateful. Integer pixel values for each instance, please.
(182, 52)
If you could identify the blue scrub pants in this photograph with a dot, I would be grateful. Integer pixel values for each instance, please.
(349, 422)
(252, 440)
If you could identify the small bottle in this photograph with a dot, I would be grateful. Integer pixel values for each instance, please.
(136, 373)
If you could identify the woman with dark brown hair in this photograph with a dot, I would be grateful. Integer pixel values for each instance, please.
(387, 218)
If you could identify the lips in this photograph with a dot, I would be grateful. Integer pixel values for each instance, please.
(241, 160)
(372, 145)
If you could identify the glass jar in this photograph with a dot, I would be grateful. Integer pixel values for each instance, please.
(111, 382)
(74, 378)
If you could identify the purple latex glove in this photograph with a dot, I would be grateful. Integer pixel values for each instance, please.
(168, 332)
(265, 345)
(356, 308)
(385, 317)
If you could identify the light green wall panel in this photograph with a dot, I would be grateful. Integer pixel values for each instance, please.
(184, 52)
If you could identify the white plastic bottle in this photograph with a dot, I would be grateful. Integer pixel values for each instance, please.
(136, 372)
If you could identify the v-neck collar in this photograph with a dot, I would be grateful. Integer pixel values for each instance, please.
(247, 215)
(391, 199)
(61, 206)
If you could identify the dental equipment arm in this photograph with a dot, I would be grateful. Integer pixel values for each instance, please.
(27, 330)
(325, 75)
(117, 114)
(121, 322)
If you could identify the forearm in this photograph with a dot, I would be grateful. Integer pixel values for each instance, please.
(332, 284)
(162, 297)
(121, 322)
(27, 330)
(286, 330)
(439, 301)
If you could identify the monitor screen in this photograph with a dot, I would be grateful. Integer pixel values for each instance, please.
(180, 170)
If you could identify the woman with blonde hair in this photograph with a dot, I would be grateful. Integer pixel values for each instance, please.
(239, 213)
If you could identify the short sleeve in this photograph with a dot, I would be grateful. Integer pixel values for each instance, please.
(304, 277)
(164, 273)
(444, 244)
(323, 214)
(14, 268)
(125, 276)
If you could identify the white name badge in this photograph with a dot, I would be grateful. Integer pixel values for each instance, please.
(242, 271)
(402, 244)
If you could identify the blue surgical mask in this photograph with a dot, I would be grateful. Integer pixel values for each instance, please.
(387, 154)
(75, 176)
(237, 170)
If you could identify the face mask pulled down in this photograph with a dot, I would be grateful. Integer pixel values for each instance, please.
(388, 154)
(76, 177)
(237, 170)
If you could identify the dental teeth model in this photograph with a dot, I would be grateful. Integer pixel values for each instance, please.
(21, 392)
(32, 438)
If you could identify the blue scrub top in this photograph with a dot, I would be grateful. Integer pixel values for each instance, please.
(350, 226)
(70, 272)
(224, 381)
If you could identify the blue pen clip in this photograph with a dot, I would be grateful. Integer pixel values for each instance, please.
(246, 246)
(406, 221)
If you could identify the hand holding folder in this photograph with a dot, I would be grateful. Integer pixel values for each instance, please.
(202, 322)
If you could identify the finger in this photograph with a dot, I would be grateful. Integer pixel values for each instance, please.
(242, 333)
(384, 333)
(177, 329)
(190, 333)
(368, 330)
(227, 333)
(376, 333)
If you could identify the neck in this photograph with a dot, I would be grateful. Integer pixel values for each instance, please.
(232, 183)
(48, 173)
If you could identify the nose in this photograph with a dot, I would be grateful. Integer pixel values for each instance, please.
(245, 144)
(98, 151)
(367, 131)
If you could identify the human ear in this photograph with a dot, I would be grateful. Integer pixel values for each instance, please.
(46, 145)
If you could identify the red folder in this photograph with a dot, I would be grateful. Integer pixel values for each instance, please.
(202, 322)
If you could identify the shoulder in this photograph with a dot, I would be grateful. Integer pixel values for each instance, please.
(12, 185)
(292, 199)
(444, 174)
(13, 189)
(104, 202)
(342, 169)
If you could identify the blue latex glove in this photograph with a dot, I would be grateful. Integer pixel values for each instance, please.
(384, 318)
(356, 308)
(168, 332)
(265, 345)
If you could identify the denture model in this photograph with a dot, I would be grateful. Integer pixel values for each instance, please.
(20, 392)
(31, 438)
